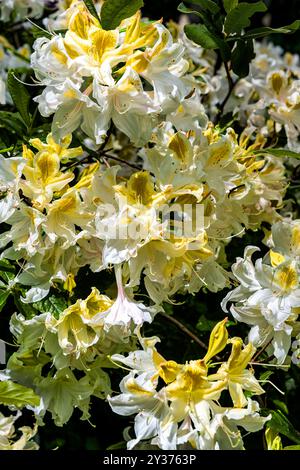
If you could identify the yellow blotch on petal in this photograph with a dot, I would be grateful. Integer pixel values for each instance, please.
(296, 238)
(48, 165)
(160, 45)
(27, 154)
(97, 302)
(287, 277)
(192, 385)
(66, 205)
(138, 62)
(102, 41)
(182, 148)
(87, 176)
(70, 284)
(277, 82)
(134, 388)
(59, 55)
(276, 258)
(141, 188)
(169, 370)
(220, 152)
(81, 21)
(133, 30)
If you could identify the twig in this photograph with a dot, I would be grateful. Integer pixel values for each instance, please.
(107, 137)
(231, 85)
(261, 351)
(184, 329)
(229, 78)
(117, 159)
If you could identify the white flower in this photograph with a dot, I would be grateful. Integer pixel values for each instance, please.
(93, 76)
(185, 408)
(8, 437)
(123, 313)
(267, 299)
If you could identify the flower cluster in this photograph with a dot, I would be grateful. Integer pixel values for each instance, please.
(268, 297)
(266, 100)
(186, 410)
(93, 76)
(60, 221)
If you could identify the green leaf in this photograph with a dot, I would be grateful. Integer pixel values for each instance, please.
(207, 5)
(204, 324)
(114, 11)
(12, 122)
(264, 376)
(282, 425)
(292, 448)
(6, 266)
(230, 4)
(266, 31)
(26, 309)
(241, 57)
(280, 405)
(201, 35)
(239, 18)
(17, 395)
(91, 7)
(20, 96)
(6, 276)
(278, 153)
(4, 294)
(8, 149)
(184, 9)
(54, 305)
(38, 32)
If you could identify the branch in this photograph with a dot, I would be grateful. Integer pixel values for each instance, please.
(117, 159)
(231, 85)
(261, 351)
(107, 137)
(184, 329)
(99, 157)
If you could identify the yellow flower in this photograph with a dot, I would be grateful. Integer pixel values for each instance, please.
(217, 341)
(236, 375)
(70, 283)
(43, 176)
(74, 331)
(273, 440)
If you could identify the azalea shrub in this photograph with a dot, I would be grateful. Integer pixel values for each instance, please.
(150, 227)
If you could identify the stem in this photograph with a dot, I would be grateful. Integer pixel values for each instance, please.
(107, 137)
(118, 274)
(33, 117)
(8, 149)
(229, 78)
(261, 351)
(98, 158)
(117, 159)
(231, 85)
(184, 329)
